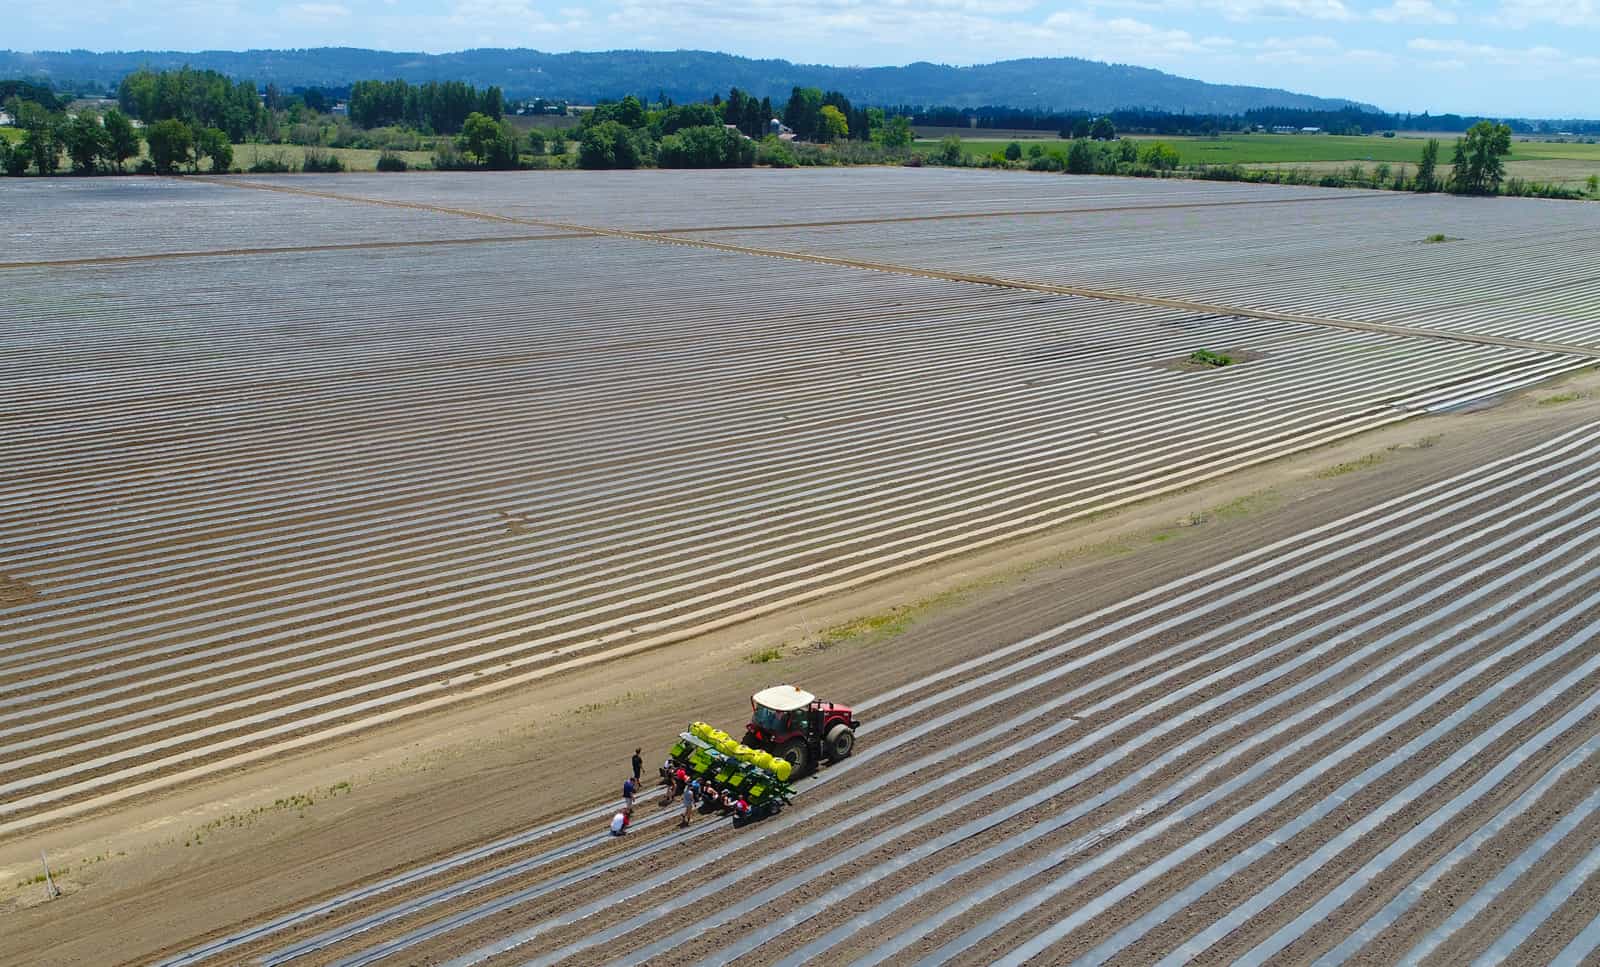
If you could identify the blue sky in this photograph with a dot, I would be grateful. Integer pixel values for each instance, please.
(1511, 57)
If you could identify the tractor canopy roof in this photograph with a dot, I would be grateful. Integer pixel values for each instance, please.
(783, 698)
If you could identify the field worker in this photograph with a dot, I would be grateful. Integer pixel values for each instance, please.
(629, 787)
(688, 804)
(619, 822)
(741, 809)
(638, 766)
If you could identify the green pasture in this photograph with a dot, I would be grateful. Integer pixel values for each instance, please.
(355, 159)
(1292, 149)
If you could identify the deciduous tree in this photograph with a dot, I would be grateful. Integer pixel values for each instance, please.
(122, 142)
(630, 112)
(831, 125)
(213, 143)
(169, 142)
(1483, 150)
(608, 144)
(86, 142)
(897, 132)
(1428, 167)
(950, 152)
(706, 146)
(1458, 167)
(43, 145)
(477, 134)
(1081, 157)
(1159, 155)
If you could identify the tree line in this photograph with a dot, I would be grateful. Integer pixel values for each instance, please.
(193, 118)
(437, 107)
(206, 99)
(734, 132)
(200, 99)
(1343, 121)
(1477, 165)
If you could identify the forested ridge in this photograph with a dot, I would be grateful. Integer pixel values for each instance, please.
(1050, 84)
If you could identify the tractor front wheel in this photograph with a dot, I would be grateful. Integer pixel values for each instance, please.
(840, 743)
(798, 755)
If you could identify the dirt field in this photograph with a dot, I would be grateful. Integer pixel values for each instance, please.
(377, 563)
(480, 774)
(423, 475)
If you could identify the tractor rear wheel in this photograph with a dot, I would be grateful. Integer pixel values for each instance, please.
(798, 755)
(840, 743)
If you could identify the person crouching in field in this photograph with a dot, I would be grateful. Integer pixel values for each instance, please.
(619, 822)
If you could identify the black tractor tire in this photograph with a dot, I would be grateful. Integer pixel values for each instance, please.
(799, 758)
(751, 740)
(841, 741)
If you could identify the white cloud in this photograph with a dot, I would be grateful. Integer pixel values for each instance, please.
(1304, 51)
(1374, 58)
(1300, 43)
(1566, 13)
(1247, 10)
(514, 15)
(1540, 60)
(1413, 12)
(953, 31)
(314, 13)
(1243, 11)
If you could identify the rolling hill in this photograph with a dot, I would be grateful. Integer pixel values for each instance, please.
(1057, 83)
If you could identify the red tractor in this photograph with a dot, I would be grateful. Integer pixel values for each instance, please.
(793, 724)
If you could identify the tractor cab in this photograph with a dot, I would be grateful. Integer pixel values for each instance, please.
(794, 724)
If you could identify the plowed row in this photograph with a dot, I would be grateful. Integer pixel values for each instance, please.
(258, 502)
(1373, 742)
